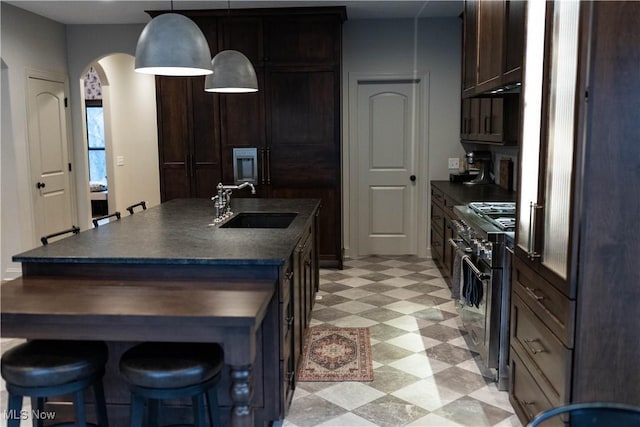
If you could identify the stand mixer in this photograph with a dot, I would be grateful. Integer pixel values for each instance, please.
(483, 160)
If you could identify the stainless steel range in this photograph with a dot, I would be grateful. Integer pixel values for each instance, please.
(483, 232)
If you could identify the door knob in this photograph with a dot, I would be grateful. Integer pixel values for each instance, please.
(40, 185)
(412, 178)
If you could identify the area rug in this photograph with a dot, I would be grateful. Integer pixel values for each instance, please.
(336, 354)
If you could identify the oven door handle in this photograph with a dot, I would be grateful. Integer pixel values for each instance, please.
(479, 274)
(453, 243)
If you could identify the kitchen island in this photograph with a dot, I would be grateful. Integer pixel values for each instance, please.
(161, 275)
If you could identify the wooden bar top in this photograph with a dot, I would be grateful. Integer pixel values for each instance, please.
(41, 307)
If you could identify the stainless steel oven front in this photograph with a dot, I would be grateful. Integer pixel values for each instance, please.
(479, 289)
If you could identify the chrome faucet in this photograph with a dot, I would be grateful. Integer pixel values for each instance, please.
(222, 201)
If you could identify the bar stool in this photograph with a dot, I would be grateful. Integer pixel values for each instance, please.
(141, 204)
(45, 239)
(45, 368)
(160, 371)
(96, 221)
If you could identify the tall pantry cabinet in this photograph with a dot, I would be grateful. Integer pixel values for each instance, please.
(575, 279)
(293, 120)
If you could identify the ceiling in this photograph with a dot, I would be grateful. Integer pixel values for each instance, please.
(133, 11)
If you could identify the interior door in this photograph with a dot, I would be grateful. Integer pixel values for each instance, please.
(49, 159)
(388, 132)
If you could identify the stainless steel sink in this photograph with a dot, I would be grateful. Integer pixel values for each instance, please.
(260, 220)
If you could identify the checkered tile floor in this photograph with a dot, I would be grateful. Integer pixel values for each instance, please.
(425, 374)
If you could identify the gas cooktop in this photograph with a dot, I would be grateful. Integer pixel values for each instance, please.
(500, 214)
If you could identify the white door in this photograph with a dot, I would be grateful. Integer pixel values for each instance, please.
(49, 159)
(388, 131)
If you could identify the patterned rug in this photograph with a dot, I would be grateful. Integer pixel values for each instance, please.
(336, 354)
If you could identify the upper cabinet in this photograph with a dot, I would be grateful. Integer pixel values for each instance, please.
(493, 38)
(492, 45)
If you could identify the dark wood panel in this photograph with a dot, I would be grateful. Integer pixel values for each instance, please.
(490, 39)
(470, 47)
(607, 346)
(303, 128)
(173, 119)
(316, 40)
(330, 235)
(243, 34)
(174, 182)
(514, 41)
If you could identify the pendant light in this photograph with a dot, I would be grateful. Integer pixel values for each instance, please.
(232, 73)
(172, 45)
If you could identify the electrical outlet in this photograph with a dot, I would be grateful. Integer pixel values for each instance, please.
(454, 163)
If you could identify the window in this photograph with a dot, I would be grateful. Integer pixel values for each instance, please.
(95, 139)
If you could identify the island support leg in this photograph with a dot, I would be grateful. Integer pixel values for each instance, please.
(241, 392)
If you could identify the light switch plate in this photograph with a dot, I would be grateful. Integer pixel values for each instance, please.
(454, 163)
(119, 160)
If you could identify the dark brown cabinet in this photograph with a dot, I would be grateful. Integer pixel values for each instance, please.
(490, 119)
(293, 120)
(574, 283)
(188, 138)
(492, 45)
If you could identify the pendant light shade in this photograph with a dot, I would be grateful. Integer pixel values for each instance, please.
(172, 45)
(232, 73)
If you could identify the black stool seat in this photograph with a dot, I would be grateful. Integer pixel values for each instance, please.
(51, 363)
(43, 368)
(163, 371)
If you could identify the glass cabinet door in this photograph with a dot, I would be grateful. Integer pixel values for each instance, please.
(531, 121)
(548, 141)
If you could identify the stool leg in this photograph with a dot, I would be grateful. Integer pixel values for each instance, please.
(14, 410)
(101, 405)
(154, 412)
(37, 403)
(214, 409)
(137, 410)
(79, 409)
(197, 402)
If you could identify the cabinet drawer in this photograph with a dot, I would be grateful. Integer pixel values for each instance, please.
(437, 245)
(554, 309)
(437, 197)
(449, 203)
(437, 218)
(548, 360)
(526, 397)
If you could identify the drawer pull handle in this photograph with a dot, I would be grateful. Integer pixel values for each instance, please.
(436, 218)
(532, 292)
(524, 404)
(532, 349)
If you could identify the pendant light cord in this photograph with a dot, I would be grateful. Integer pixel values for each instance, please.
(171, 5)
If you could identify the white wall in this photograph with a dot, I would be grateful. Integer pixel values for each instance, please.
(130, 123)
(88, 44)
(28, 42)
(405, 46)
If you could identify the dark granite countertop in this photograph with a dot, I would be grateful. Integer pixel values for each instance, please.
(463, 194)
(179, 232)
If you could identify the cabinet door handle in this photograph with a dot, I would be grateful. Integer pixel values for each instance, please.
(268, 165)
(263, 165)
(532, 292)
(40, 185)
(533, 215)
(532, 349)
(525, 404)
(437, 217)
